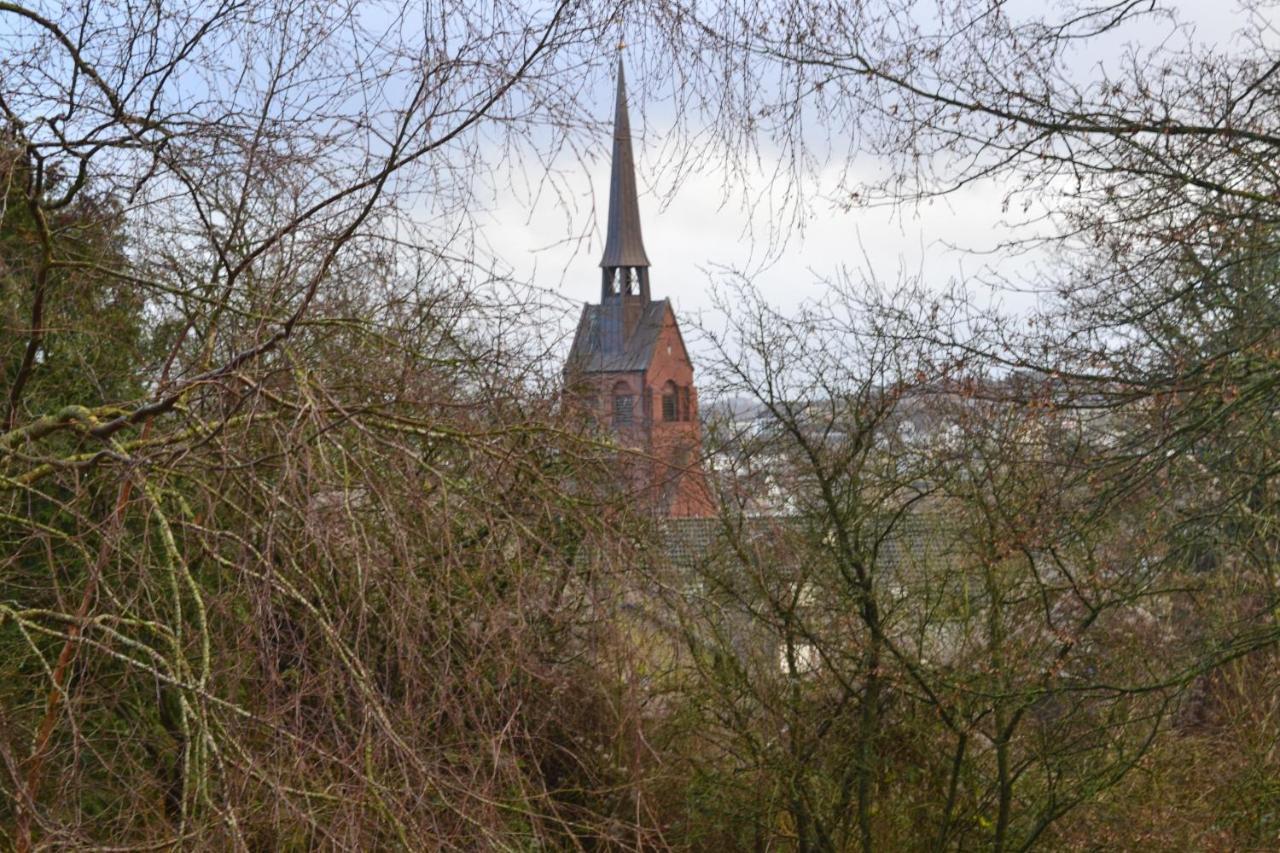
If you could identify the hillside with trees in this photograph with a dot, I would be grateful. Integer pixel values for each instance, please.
(303, 547)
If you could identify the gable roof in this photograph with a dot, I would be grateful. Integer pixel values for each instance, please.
(589, 354)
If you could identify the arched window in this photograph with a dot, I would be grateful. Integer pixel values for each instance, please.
(623, 405)
(670, 402)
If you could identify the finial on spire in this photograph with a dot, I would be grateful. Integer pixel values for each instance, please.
(624, 260)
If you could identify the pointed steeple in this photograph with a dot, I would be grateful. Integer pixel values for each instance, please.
(625, 263)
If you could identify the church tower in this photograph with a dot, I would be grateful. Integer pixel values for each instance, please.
(629, 365)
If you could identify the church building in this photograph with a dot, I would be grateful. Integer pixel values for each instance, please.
(629, 366)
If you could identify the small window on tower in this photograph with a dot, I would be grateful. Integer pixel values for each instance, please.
(623, 405)
(669, 401)
(686, 407)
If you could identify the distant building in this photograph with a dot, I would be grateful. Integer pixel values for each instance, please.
(629, 365)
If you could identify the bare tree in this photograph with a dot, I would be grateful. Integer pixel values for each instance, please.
(1107, 487)
(290, 523)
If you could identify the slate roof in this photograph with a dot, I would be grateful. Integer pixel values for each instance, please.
(623, 247)
(590, 353)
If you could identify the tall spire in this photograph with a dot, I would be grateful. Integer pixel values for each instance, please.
(625, 263)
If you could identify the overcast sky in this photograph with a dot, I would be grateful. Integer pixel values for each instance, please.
(695, 225)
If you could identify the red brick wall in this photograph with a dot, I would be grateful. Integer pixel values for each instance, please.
(669, 468)
(676, 446)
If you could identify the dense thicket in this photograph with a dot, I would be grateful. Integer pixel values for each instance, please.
(291, 519)
(1037, 594)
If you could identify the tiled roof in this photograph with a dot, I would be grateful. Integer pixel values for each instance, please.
(917, 539)
(690, 541)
